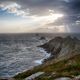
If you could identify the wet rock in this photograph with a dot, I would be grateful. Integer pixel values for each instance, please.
(42, 38)
(33, 76)
(77, 78)
(63, 78)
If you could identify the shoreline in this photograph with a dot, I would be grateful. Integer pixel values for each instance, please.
(47, 55)
(39, 62)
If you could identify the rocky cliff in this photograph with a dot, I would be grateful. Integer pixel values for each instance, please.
(62, 48)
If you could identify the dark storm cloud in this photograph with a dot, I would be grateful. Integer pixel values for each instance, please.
(42, 6)
(73, 6)
(71, 11)
(68, 7)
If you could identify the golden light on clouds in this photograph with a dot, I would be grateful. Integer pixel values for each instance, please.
(62, 29)
(29, 22)
(43, 20)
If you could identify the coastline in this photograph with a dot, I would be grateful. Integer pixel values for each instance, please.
(54, 69)
(39, 61)
(47, 55)
(64, 66)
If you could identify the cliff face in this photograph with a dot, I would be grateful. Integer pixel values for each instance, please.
(62, 48)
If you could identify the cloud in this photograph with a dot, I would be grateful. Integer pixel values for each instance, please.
(55, 29)
(42, 7)
(40, 11)
(13, 7)
(70, 8)
(32, 20)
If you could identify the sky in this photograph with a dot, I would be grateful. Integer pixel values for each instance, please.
(41, 16)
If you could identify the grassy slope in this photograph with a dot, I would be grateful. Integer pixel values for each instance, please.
(70, 68)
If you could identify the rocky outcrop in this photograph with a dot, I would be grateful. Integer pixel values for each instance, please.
(42, 38)
(62, 48)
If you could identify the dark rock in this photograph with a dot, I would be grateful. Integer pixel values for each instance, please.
(42, 38)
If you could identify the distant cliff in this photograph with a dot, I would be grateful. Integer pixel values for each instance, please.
(62, 48)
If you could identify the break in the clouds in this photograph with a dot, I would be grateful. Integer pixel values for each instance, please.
(40, 15)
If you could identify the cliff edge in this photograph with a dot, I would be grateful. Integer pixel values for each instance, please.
(62, 48)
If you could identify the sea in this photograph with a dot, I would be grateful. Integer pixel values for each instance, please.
(20, 52)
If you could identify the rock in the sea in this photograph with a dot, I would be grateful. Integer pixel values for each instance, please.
(42, 38)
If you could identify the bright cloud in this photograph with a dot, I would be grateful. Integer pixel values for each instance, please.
(46, 19)
(39, 14)
(31, 22)
(14, 8)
